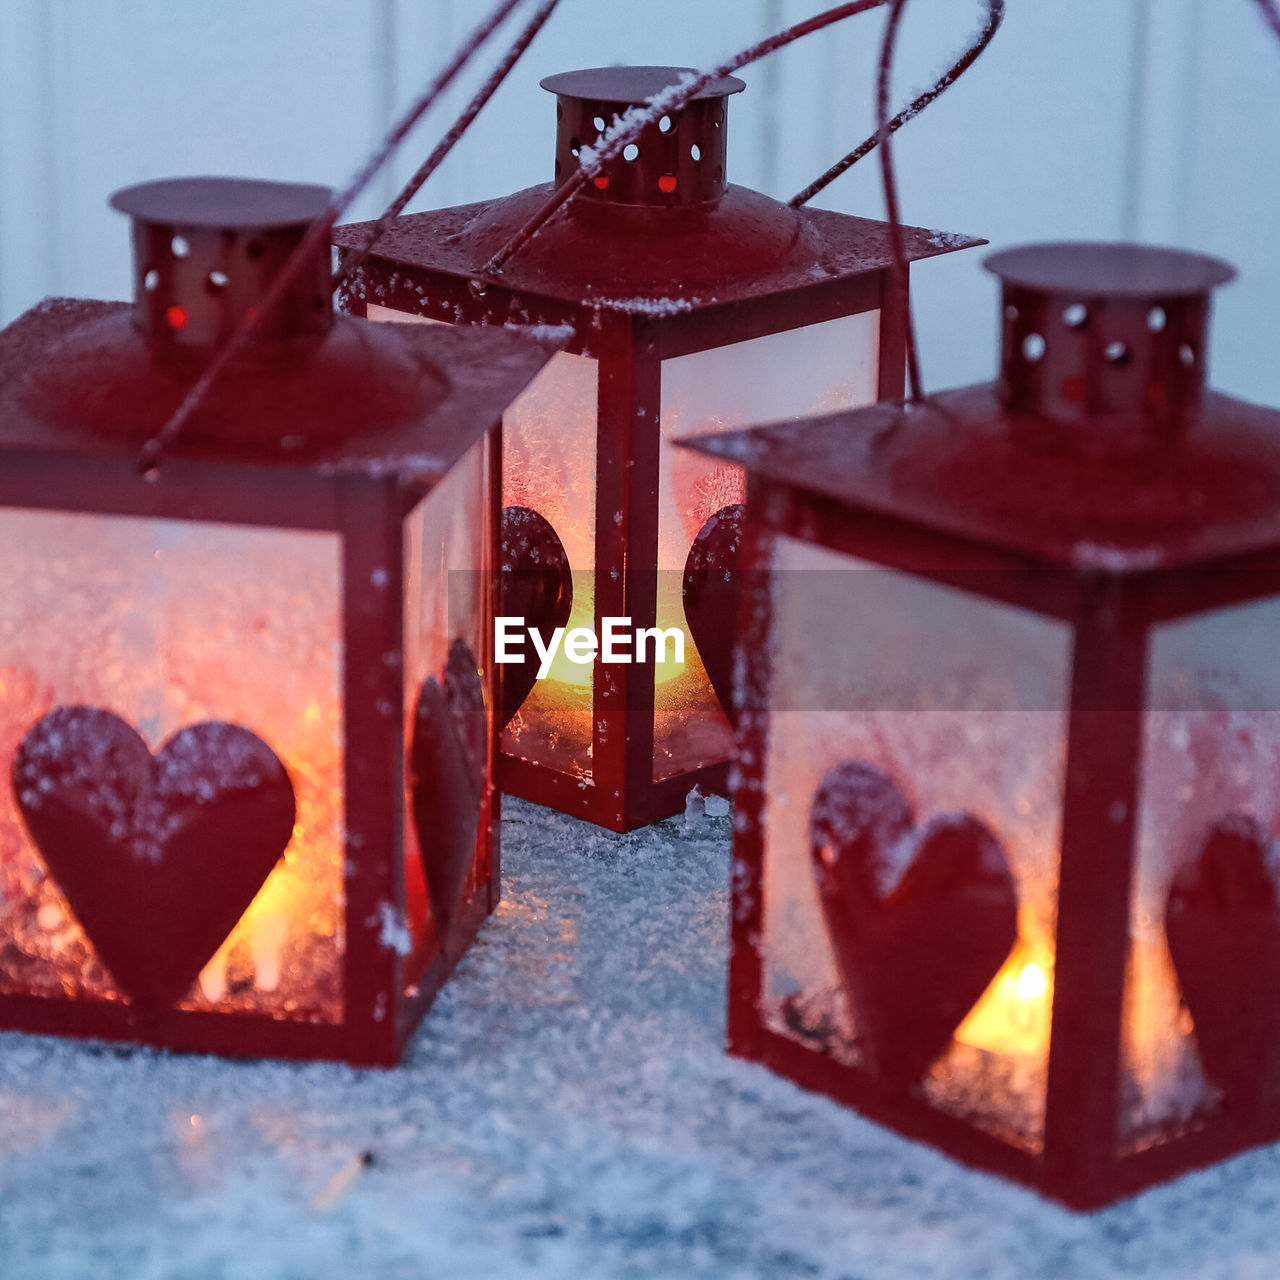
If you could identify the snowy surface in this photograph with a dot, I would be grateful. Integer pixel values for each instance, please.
(566, 1112)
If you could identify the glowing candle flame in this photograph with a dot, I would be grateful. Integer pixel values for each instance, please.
(566, 672)
(1013, 1014)
(1032, 983)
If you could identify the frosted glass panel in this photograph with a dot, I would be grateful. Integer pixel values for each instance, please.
(448, 565)
(1211, 756)
(167, 624)
(820, 368)
(959, 702)
(549, 465)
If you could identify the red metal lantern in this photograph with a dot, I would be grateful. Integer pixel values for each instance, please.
(1006, 873)
(246, 709)
(693, 304)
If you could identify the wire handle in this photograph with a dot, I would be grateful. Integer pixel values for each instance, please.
(319, 232)
(627, 127)
(944, 82)
(1272, 14)
(353, 262)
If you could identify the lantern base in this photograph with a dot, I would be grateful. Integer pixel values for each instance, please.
(239, 1035)
(1205, 1141)
(617, 806)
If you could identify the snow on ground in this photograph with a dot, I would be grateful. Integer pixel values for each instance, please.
(565, 1112)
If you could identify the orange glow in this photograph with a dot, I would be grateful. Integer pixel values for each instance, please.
(1032, 983)
(236, 625)
(1014, 1013)
(581, 674)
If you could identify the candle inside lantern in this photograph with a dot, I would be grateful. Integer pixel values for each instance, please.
(1013, 1015)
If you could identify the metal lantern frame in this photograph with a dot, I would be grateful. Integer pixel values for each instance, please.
(658, 258)
(1099, 485)
(330, 425)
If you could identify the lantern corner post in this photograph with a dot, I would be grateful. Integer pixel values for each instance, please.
(747, 881)
(1103, 770)
(626, 569)
(370, 513)
(895, 299)
(493, 454)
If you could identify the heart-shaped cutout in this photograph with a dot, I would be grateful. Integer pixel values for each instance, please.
(920, 919)
(712, 588)
(447, 763)
(158, 856)
(1223, 926)
(537, 586)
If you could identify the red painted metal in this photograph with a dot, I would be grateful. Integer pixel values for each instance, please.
(913, 960)
(1099, 484)
(537, 585)
(205, 249)
(712, 597)
(666, 166)
(641, 272)
(321, 424)
(448, 760)
(158, 856)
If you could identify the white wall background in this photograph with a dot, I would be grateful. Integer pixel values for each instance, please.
(1152, 119)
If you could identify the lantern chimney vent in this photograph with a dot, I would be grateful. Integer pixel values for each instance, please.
(679, 159)
(1108, 337)
(206, 251)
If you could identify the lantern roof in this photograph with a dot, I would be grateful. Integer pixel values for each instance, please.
(656, 231)
(634, 86)
(1089, 269)
(217, 202)
(641, 260)
(308, 392)
(79, 380)
(1097, 450)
